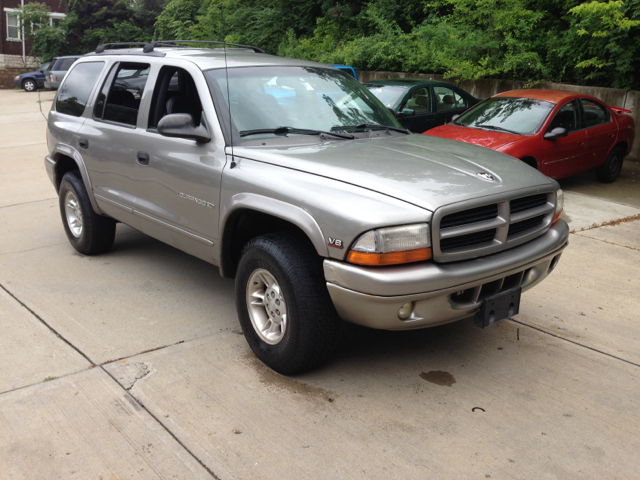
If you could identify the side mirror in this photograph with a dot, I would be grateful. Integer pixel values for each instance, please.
(455, 117)
(180, 125)
(557, 132)
(406, 112)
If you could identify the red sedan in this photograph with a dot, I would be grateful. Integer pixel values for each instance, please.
(558, 132)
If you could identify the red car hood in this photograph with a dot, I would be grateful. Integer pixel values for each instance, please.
(484, 138)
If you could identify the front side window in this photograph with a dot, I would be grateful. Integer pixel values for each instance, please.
(119, 100)
(175, 92)
(594, 113)
(76, 88)
(13, 26)
(389, 95)
(419, 101)
(522, 116)
(313, 98)
(567, 117)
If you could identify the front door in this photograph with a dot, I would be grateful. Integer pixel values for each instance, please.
(419, 101)
(178, 180)
(561, 157)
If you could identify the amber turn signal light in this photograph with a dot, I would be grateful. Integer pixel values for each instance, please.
(556, 217)
(392, 258)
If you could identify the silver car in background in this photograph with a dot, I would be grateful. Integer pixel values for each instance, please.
(297, 182)
(57, 69)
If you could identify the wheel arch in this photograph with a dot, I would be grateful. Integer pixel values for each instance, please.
(66, 159)
(531, 161)
(247, 216)
(623, 145)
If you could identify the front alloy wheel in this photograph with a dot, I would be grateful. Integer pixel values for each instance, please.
(29, 85)
(267, 306)
(73, 213)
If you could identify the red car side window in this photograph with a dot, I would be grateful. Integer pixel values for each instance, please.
(594, 113)
(567, 117)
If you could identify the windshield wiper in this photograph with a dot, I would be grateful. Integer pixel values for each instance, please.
(493, 127)
(285, 130)
(371, 126)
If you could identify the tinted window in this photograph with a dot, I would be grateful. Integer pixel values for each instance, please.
(446, 99)
(594, 113)
(119, 100)
(523, 116)
(74, 92)
(567, 117)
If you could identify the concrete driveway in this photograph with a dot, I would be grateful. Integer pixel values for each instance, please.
(132, 365)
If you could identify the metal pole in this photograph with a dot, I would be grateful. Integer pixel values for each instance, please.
(24, 48)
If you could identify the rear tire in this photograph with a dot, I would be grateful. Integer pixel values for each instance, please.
(88, 232)
(283, 304)
(612, 167)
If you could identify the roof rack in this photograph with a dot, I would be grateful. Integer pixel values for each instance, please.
(103, 47)
(149, 47)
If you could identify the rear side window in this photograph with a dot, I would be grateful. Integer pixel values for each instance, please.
(447, 99)
(74, 92)
(119, 100)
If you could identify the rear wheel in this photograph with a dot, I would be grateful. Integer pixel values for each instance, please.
(29, 85)
(88, 232)
(283, 303)
(612, 167)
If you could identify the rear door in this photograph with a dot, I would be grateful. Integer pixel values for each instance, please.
(447, 104)
(602, 132)
(108, 139)
(561, 157)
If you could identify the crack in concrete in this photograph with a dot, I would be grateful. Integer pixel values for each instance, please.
(610, 243)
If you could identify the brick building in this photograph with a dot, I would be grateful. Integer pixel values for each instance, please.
(12, 46)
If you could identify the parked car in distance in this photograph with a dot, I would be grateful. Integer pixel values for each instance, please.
(296, 181)
(58, 69)
(560, 133)
(421, 104)
(348, 70)
(31, 81)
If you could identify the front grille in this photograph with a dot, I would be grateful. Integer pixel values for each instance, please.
(476, 238)
(473, 215)
(525, 203)
(516, 228)
(464, 233)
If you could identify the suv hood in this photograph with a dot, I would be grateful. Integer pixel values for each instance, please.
(426, 171)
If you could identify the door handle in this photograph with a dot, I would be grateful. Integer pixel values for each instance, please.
(83, 143)
(143, 158)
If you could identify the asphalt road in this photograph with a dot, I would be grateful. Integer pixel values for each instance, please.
(132, 365)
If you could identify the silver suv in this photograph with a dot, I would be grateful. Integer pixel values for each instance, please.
(297, 182)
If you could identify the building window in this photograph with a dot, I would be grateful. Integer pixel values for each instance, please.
(13, 28)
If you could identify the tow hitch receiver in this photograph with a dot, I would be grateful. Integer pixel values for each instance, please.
(498, 307)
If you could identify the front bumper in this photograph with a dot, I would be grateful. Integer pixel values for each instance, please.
(17, 82)
(439, 293)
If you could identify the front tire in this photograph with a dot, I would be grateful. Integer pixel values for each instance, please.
(29, 85)
(283, 304)
(612, 167)
(88, 232)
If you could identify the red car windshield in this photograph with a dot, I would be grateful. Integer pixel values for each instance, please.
(521, 116)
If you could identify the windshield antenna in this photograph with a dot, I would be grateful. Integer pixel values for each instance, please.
(226, 71)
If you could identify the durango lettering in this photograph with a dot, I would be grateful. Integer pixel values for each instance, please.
(199, 201)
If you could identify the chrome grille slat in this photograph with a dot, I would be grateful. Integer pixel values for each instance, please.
(465, 230)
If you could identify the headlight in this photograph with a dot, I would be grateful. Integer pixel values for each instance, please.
(17, 77)
(392, 246)
(559, 205)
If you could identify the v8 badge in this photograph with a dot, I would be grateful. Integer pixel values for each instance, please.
(335, 242)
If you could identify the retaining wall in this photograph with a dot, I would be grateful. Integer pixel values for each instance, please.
(485, 88)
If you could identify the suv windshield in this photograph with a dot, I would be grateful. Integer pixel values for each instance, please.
(303, 98)
(522, 116)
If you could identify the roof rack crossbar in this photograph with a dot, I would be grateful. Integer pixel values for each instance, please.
(103, 47)
(149, 47)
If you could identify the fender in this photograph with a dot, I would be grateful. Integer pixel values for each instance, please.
(291, 213)
(69, 151)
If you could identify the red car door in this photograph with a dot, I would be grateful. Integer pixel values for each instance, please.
(564, 156)
(601, 129)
